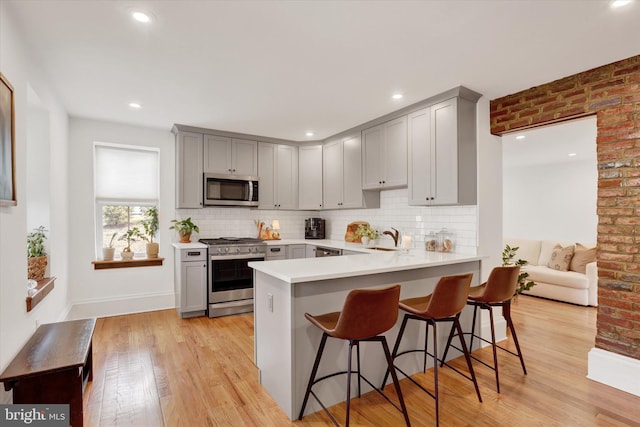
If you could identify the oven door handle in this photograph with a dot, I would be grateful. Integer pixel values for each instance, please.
(235, 256)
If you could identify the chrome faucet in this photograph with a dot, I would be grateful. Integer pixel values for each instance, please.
(395, 234)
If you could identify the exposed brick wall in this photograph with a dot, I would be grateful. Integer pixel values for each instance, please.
(613, 93)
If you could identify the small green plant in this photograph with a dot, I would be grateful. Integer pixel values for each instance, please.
(131, 235)
(35, 243)
(113, 237)
(184, 226)
(508, 255)
(150, 224)
(364, 230)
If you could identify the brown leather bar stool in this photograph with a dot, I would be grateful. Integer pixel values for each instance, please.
(366, 315)
(497, 291)
(444, 305)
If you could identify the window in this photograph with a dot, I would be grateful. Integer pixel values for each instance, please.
(125, 186)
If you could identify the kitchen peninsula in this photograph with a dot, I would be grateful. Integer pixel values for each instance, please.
(285, 342)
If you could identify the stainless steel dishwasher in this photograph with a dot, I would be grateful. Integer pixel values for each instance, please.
(323, 252)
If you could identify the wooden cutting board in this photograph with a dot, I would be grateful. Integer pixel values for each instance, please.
(350, 235)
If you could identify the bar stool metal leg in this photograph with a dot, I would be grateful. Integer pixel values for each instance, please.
(314, 371)
(349, 380)
(506, 312)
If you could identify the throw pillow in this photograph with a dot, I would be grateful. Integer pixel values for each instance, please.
(582, 256)
(561, 257)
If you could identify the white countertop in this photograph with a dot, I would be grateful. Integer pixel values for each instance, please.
(192, 245)
(374, 262)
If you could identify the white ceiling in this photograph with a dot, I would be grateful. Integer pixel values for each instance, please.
(552, 144)
(280, 68)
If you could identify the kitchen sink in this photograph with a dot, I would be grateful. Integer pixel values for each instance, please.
(382, 248)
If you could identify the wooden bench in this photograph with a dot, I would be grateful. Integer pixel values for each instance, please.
(54, 366)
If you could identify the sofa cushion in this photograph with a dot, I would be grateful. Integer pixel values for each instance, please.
(529, 250)
(569, 279)
(561, 257)
(546, 249)
(582, 256)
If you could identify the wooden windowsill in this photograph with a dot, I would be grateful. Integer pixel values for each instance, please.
(127, 263)
(38, 293)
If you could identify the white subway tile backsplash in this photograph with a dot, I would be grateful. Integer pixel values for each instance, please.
(394, 212)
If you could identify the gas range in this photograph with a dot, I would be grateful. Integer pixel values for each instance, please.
(235, 246)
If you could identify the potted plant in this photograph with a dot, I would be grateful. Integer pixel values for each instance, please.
(131, 235)
(150, 225)
(36, 253)
(185, 227)
(108, 251)
(508, 255)
(366, 233)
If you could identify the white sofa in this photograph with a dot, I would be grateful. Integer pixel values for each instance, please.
(567, 286)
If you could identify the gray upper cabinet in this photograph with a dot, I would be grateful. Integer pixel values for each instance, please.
(230, 155)
(278, 171)
(442, 154)
(310, 177)
(384, 155)
(342, 175)
(188, 170)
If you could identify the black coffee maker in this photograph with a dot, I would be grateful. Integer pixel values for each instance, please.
(314, 228)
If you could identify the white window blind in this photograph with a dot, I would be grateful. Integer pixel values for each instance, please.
(125, 174)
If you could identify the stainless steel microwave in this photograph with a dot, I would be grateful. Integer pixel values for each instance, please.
(230, 190)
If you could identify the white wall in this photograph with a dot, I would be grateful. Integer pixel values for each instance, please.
(489, 191)
(126, 290)
(23, 72)
(553, 201)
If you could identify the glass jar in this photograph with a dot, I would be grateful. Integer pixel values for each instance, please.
(446, 241)
(431, 241)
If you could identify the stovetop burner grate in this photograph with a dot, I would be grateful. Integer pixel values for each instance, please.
(231, 241)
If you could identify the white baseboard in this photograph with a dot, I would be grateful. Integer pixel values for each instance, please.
(120, 306)
(614, 370)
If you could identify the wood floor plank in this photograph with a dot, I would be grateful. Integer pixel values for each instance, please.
(155, 369)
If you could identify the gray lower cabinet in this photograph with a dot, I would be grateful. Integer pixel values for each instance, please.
(190, 282)
(310, 251)
(276, 252)
(296, 251)
(442, 153)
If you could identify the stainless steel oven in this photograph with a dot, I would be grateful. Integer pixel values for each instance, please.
(230, 279)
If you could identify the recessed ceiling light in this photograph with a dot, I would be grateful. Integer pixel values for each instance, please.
(397, 96)
(620, 3)
(309, 133)
(135, 105)
(520, 137)
(141, 16)
(572, 154)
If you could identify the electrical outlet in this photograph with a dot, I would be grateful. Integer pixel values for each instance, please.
(37, 323)
(270, 302)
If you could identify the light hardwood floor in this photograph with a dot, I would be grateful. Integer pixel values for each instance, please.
(155, 369)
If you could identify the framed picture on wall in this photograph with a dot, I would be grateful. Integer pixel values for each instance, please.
(7, 145)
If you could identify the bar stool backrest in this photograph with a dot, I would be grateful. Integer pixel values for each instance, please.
(367, 313)
(449, 297)
(501, 285)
